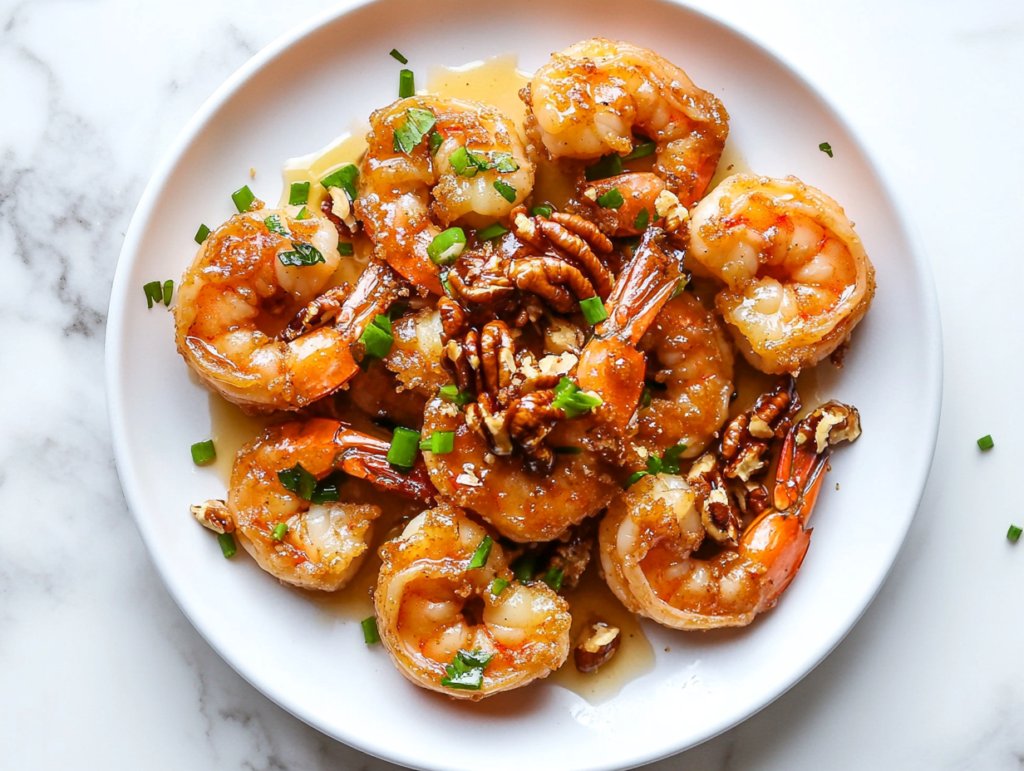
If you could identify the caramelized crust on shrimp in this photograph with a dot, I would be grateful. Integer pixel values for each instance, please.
(797, 277)
(433, 603)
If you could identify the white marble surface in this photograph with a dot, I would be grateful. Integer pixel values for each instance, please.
(99, 667)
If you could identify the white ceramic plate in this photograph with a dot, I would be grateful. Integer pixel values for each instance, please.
(293, 98)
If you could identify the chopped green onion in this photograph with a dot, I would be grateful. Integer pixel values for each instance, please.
(466, 672)
(608, 166)
(451, 393)
(568, 450)
(377, 338)
(643, 218)
(445, 283)
(467, 163)
(273, 223)
(646, 398)
(303, 214)
(524, 568)
(302, 255)
(483, 551)
(396, 55)
(565, 384)
(611, 200)
(154, 292)
(409, 135)
(435, 141)
(680, 287)
(406, 84)
(243, 199)
(498, 585)
(505, 190)
(986, 442)
(491, 231)
(634, 478)
(593, 310)
(671, 457)
(227, 545)
(204, 452)
(573, 401)
(404, 445)
(439, 442)
(553, 578)
(345, 178)
(280, 530)
(202, 233)
(168, 291)
(327, 489)
(447, 246)
(345, 249)
(826, 148)
(542, 211)
(370, 634)
(642, 150)
(463, 162)
(298, 194)
(299, 481)
(382, 321)
(1014, 533)
(503, 163)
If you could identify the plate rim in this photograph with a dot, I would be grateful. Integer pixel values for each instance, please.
(931, 391)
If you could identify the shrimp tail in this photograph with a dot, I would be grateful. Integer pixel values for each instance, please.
(365, 457)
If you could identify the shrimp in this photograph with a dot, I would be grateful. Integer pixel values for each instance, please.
(797, 277)
(301, 533)
(690, 369)
(251, 277)
(589, 101)
(436, 160)
(649, 536)
(449, 626)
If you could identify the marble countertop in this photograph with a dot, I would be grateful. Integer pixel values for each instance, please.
(101, 669)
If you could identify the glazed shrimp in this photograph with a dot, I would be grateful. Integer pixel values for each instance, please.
(690, 376)
(321, 545)
(797, 277)
(434, 607)
(250, 278)
(649, 536)
(590, 100)
(407, 186)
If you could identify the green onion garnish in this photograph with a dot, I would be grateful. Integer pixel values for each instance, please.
(608, 166)
(447, 246)
(498, 585)
(646, 398)
(202, 233)
(439, 442)
(377, 337)
(345, 178)
(642, 150)
(396, 55)
(299, 481)
(273, 223)
(280, 530)
(435, 141)
(466, 672)
(572, 400)
(680, 287)
(302, 255)
(204, 452)
(986, 442)
(467, 163)
(462, 161)
(643, 218)
(1014, 533)
(345, 249)
(168, 291)
(634, 478)
(303, 214)
(826, 148)
(154, 293)
(542, 211)
(298, 194)
(483, 551)
(327, 489)
(593, 310)
(370, 634)
(451, 393)
(524, 568)
(505, 190)
(491, 231)
(553, 578)
(410, 134)
(405, 445)
(611, 200)
(446, 285)
(243, 199)
(227, 545)
(406, 84)
(670, 459)
(668, 464)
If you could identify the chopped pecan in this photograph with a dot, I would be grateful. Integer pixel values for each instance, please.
(531, 419)
(830, 424)
(597, 645)
(745, 441)
(215, 515)
(718, 513)
(317, 313)
(554, 280)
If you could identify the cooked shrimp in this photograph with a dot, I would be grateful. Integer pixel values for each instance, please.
(408, 182)
(437, 613)
(248, 281)
(797, 277)
(690, 369)
(314, 545)
(649, 536)
(416, 354)
(591, 99)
